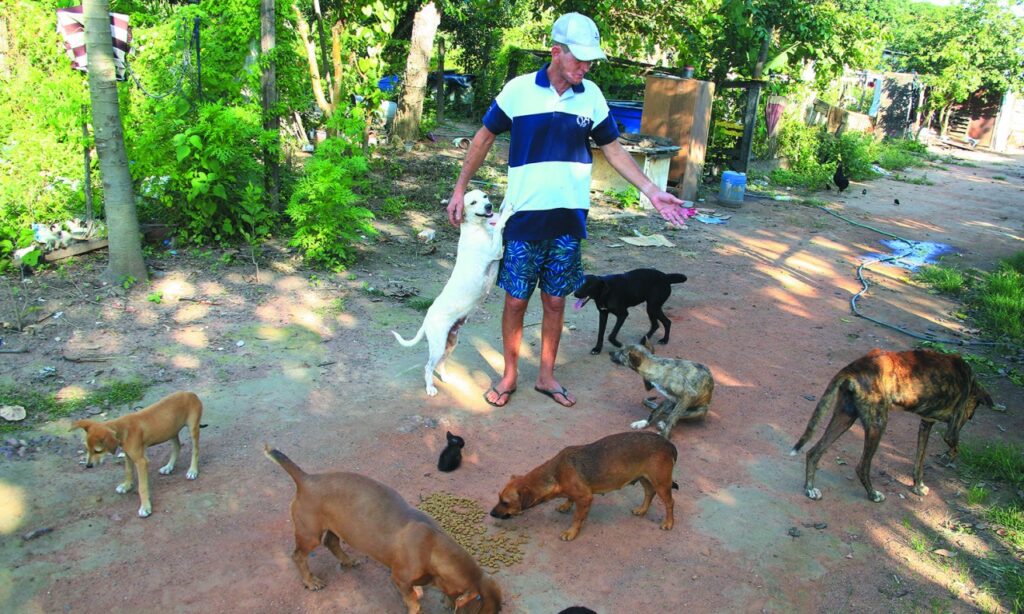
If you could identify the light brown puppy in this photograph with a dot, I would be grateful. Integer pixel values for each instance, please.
(936, 386)
(376, 520)
(687, 386)
(580, 472)
(134, 432)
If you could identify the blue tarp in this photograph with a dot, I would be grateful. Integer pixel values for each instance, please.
(913, 254)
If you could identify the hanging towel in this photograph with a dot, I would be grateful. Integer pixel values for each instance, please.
(71, 26)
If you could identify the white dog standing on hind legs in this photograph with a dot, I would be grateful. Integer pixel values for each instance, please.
(476, 268)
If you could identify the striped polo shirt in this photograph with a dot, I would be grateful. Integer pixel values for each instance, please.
(549, 159)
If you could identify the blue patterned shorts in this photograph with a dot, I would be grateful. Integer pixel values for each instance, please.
(554, 263)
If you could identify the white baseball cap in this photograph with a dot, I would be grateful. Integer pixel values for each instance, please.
(579, 33)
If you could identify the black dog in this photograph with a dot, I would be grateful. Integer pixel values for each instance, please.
(451, 456)
(617, 293)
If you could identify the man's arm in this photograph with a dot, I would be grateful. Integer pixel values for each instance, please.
(478, 148)
(668, 206)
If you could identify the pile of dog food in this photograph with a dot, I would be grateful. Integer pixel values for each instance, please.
(462, 519)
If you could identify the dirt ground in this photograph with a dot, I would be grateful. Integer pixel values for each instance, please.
(305, 362)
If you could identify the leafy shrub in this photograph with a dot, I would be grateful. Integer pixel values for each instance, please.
(325, 206)
(798, 143)
(857, 151)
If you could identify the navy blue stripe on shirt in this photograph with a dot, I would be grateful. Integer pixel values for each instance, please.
(547, 224)
(550, 137)
(496, 120)
(605, 132)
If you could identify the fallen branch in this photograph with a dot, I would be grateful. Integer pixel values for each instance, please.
(85, 358)
(202, 301)
(14, 351)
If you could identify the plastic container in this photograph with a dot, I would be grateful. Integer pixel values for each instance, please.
(626, 114)
(734, 186)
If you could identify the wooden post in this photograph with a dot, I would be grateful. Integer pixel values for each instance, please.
(440, 80)
(88, 163)
(750, 112)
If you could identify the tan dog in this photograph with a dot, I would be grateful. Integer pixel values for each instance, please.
(938, 387)
(134, 432)
(376, 520)
(687, 386)
(580, 472)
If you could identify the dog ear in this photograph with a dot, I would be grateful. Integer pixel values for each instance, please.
(635, 359)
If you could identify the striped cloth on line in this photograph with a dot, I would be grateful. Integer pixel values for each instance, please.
(71, 26)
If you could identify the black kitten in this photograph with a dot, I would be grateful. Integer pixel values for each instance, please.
(451, 456)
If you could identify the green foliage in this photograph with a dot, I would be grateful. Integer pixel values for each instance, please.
(393, 207)
(255, 218)
(947, 280)
(627, 198)
(41, 98)
(898, 154)
(325, 206)
(155, 297)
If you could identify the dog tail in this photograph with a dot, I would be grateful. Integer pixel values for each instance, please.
(827, 402)
(414, 340)
(675, 278)
(286, 463)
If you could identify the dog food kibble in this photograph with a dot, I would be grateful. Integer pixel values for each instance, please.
(463, 520)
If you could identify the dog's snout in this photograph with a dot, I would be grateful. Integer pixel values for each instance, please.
(488, 207)
(88, 465)
(500, 515)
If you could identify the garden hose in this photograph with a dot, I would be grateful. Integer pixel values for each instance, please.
(864, 288)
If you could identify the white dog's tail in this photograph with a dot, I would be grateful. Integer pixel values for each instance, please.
(414, 340)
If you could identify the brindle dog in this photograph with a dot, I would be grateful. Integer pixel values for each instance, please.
(938, 387)
(686, 385)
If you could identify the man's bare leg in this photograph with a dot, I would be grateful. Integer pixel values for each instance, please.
(511, 337)
(550, 337)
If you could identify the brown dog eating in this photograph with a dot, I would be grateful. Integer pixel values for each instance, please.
(376, 520)
(938, 387)
(134, 432)
(580, 472)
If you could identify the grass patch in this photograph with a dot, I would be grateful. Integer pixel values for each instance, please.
(946, 280)
(335, 307)
(999, 177)
(1011, 518)
(1000, 302)
(420, 303)
(371, 290)
(993, 461)
(45, 406)
(977, 495)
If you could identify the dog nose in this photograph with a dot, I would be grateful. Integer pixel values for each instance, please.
(488, 207)
(500, 516)
(88, 465)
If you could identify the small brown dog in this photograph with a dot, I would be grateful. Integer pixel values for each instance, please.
(580, 472)
(938, 387)
(134, 432)
(376, 520)
(687, 386)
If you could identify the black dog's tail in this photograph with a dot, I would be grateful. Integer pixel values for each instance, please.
(675, 278)
(827, 402)
(675, 486)
(286, 463)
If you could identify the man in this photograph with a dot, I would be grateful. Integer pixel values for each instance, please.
(551, 114)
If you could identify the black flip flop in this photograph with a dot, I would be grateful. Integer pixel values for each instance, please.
(551, 393)
(507, 395)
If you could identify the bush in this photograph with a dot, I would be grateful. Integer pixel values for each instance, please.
(325, 206)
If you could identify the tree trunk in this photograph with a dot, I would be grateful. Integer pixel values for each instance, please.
(314, 71)
(410, 109)
(125, 245)
(271, 121)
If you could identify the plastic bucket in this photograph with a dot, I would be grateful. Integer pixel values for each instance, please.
(626, 114)
(734, 186)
